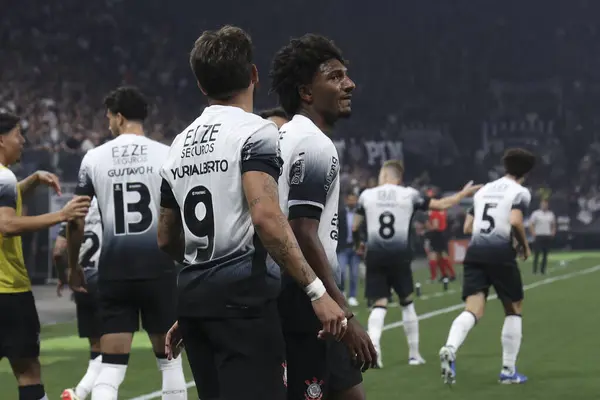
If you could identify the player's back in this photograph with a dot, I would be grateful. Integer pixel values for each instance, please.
(388, 210)
(226, 260)
(492, 239)
(310, 177)
(123, 174)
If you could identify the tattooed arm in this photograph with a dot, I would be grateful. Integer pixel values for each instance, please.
(170, 236)
(272, 226)
(170, 233)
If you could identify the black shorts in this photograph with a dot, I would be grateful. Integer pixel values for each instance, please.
(505, 278)
(316, 367)
(122, 302)
(237, 358)
(438, 243)
(386, 273)
(89, 323)
(19, 326)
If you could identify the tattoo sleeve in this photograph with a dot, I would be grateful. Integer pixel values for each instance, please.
(273, 228)
(170, 233)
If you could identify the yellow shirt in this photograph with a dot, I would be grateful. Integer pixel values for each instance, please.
(13, 274)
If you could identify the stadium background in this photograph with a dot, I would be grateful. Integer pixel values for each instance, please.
(445, 86)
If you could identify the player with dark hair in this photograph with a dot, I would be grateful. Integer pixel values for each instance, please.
(276, 115)
(311, 80)
(135, 278)
(220, 216)
(495, 221)
(19, 323)
(388, 210)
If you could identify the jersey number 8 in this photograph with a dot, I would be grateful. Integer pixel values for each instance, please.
(386, 225)
(142, 207)
(203, 228)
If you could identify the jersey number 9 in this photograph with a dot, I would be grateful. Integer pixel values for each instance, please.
(201, 227)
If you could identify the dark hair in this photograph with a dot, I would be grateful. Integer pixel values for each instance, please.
(296, 64)
(273, 112)
(127, 101)
(518, 162)
(222, 62)
(8, 121)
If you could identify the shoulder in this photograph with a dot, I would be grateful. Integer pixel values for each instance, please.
(7, 176)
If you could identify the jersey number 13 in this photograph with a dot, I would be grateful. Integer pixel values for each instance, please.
(141, 207)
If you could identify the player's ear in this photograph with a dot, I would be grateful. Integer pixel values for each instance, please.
(254, 75)
(305, 92)
(120, 119)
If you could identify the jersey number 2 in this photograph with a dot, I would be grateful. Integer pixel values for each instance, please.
(487, 217)
(204, 227)
(386, 225)
(89, 253)
(142, 207)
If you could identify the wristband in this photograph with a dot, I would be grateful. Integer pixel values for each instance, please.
(315, 290)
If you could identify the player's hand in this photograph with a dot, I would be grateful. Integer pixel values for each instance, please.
(469, 189)
(525, 253)
(174, 342)
(360, 346)
(77, 280)
(49, 179)
(331, 316)
(77, 207)
(360, 250)
(59, 288)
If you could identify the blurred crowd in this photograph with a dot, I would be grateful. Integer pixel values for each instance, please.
(446, 88)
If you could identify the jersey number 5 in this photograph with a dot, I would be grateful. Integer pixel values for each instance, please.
(142, 207)
(202, 226)
(487, 217)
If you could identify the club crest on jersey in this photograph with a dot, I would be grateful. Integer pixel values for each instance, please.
(83, 176)
(314, 390)
(297, 171)
(332, 174)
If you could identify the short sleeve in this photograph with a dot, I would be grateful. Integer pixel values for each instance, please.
(261, 152)
(360, 206)
(167, 198)
(521, 201)
(310, 179)
(420, 202)
(471, 211)
(85, 185)
(8, 189)
(62, 231)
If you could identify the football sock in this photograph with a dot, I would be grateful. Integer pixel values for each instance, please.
(85, 386)
(460, 328)
(448, 269)
(512, 333)
(112, 374)
(173, 381)
(433, 269)
(375, 324)
(411, 329)
(32, 392)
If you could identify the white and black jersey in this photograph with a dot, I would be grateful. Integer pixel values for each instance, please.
(123, 175)
(309, 184)
(228, 269)
(389, 210)
(89, 254)
(492, 240)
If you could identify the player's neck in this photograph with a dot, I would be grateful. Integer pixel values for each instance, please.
(4, 160)
(317, 119)
(243, 100)
(132, 128)
(512, 178)
(396, 182)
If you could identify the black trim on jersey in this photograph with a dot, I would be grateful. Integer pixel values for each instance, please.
(167, 198)
(360, 210)
(63, 230)
(471, 211)
(268, 166)
(304, 211)
(422, 203)
(85, 188)
(521, 206)
(8, 195)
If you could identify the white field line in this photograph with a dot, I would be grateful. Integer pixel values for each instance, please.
(441, 311)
